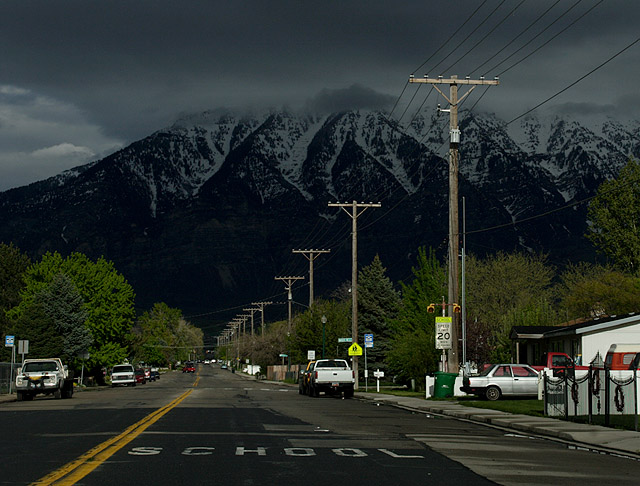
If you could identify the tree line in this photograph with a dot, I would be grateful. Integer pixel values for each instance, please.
(83, 311)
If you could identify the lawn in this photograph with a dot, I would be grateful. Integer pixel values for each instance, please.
(522, 406)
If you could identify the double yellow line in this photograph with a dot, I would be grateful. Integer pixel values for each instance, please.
(74, 471)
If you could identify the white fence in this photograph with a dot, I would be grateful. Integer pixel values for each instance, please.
(593, 392)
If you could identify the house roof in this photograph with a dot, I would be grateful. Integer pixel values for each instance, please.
(597, 324)
(585, 327)
(530, 332)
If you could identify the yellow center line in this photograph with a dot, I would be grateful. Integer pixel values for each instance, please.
(74, 471)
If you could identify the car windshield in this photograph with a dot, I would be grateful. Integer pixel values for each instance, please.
(41, 366)
(122, 369)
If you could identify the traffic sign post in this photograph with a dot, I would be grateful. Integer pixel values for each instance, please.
(23, 347)
(9, 341)
(444, 339)
(368, 343)
(355, 350)
(378, 374)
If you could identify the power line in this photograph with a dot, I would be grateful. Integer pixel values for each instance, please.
(486, 35)
(522, 32)
(576, 81)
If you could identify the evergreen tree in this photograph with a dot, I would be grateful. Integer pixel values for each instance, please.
(36, 326)
(378, 304)
(64, 305)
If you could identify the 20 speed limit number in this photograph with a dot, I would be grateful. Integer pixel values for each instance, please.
(443, 333)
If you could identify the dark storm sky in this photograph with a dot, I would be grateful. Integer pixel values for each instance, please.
(79, 79)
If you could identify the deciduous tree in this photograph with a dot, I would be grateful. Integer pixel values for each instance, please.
(614, 215)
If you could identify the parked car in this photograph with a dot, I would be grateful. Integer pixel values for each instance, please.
(155, 374)
(503, 380)
(304, 378)
(140, 376)
(189, 367)
(123, 374)
(223, 366)
(331, 376)
(622, 356)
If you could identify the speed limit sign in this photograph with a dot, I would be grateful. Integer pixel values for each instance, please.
(443, 333)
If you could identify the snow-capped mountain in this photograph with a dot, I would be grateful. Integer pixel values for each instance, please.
(206, 211)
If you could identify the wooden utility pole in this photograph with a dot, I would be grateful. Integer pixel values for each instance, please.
(251, 312)
(454, 229)
(355, 210)
(311, 255)
(289, 283)
(261, 306)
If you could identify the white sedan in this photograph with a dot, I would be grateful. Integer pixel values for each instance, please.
(503, 380)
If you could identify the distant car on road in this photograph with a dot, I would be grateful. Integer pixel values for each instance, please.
(189, 367)
(123, 374)
(155, 374)
(140, 377)
(503, 380)
(223, 366)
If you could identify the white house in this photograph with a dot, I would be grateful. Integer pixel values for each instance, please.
(582, 341)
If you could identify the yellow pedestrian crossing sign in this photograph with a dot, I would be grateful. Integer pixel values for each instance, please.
(355, 350)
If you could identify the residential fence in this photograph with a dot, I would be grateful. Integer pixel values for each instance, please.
(282, 372)
(592, 392)
(5, 374)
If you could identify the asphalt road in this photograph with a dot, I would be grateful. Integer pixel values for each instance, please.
(216, 427)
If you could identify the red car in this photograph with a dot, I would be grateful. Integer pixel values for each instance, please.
(140, 376)
(189, 367)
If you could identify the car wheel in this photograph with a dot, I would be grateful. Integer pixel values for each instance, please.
(492, 393)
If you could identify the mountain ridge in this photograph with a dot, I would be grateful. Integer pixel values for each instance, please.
(226, 196)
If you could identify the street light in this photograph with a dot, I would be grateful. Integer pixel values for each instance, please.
(324, 321)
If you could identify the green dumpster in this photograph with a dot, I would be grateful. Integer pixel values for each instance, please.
(444, 384)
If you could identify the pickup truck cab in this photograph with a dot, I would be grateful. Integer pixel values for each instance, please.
(331, 376)
(46, 376)
(559, 364)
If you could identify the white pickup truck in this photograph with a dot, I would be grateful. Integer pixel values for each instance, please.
(47, 376)
(331, 376)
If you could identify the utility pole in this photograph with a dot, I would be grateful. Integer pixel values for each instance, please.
(289, 283)
(311, 255)
(261, 306)
(356, 209)
(454, 229)
(251, 311)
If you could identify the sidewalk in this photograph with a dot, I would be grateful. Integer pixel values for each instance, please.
(589, 436)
